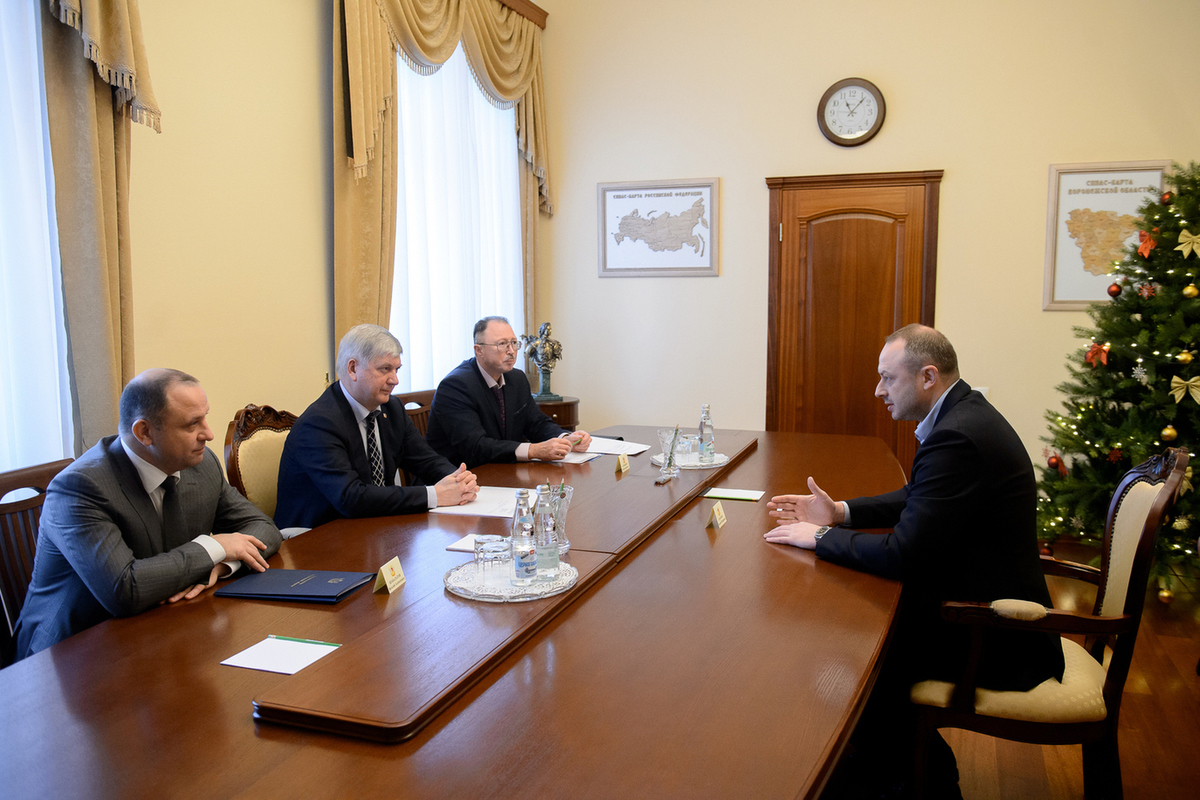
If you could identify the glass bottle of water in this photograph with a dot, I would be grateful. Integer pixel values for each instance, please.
(708, 436)
(546, 543)
(524, 553)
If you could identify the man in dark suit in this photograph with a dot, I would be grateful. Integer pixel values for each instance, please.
(341, 457)
(142, 518)
(964, 527)
(483, 411)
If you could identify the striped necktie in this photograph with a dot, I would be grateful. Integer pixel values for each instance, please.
(373, 450)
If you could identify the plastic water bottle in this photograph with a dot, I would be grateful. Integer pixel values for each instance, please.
(545, 542)
(708, 436)
(524, 552)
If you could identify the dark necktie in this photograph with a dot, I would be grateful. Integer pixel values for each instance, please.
(373, 450)
(499, 392)
(174, 529)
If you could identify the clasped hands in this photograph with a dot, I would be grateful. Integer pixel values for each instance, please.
(797, 516)
(457, 488)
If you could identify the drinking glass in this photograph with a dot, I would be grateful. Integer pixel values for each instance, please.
(668, 438)
(492, 554)
(560, 499)
(687, 452)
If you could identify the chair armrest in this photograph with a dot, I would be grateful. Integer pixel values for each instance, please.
(981, 615)
(1055, 621)
(1070, 569)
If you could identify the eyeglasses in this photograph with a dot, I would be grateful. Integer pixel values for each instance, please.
(513, 345)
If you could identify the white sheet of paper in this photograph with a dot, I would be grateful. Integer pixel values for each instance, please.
(492, 501)
(288, 656)
(292, 533)
(614, 447)
(753, 495)
(464, 545)
(576, 458)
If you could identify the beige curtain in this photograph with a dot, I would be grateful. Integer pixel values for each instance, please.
(504, 50)
(97, 82)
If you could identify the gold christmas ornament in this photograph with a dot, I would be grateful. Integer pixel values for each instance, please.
(1184, 358)
(1190, 291)
(1168, 434)
(1166, 596)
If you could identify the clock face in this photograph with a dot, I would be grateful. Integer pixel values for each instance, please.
(851, 112)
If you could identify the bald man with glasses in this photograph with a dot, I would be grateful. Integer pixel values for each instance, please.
(484, 412)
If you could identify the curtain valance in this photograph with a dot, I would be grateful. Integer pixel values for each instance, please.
(503, 48)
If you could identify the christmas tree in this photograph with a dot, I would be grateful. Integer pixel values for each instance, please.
(1135, 387)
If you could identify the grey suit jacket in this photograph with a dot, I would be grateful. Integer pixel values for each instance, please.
(102, 551)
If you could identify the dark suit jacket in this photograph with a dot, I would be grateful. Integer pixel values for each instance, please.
(102, 551)
(324, 473)
(464, 421)
(964, 530)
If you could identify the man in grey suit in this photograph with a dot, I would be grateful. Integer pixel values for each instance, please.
(142, 518)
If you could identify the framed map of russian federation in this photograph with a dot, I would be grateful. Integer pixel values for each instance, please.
(1092, 216)
(658, 228)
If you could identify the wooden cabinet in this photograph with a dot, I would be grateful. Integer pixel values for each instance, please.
(564, 412)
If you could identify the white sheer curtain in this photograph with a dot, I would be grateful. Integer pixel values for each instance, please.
(458, 229)
(35, 397)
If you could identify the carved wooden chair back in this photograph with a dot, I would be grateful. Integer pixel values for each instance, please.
(253, 447)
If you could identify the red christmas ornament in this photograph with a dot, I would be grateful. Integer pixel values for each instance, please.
(1115, 454)
(1167, 198)
(1055, 462)
(1046, 550)
(1146, 291)
(1147, 244)
(1097, 354)
(1114, 290)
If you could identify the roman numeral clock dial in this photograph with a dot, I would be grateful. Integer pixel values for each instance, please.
(851, 112)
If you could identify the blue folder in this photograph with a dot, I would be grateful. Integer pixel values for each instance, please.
(304, 585)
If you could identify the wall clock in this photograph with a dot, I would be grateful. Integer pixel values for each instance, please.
(851, 112)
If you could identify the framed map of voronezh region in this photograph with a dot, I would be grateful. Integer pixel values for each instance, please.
(658, 228)
(1092, 217)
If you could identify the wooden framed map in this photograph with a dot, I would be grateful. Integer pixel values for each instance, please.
(658, 228)
(1092, 217)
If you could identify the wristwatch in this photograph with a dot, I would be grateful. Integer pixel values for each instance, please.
(821, 531)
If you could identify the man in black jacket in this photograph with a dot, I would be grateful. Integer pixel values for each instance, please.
(964, 526)
(341, 457)
(484, 413)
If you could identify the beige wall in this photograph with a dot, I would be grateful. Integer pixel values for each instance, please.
(230, 216)
(992, 93)
(233, 197)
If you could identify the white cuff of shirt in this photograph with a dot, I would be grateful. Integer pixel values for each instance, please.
(431, 494)
(523, 451)
(845, 512)
(210, 545)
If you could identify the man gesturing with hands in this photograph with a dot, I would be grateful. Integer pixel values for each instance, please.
(963, 527)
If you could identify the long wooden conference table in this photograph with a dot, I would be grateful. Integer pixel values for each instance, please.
(687, 661)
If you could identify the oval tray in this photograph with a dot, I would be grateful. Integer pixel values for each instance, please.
(464, 581)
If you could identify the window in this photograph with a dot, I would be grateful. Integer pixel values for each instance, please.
(35, 399)
(458, 228)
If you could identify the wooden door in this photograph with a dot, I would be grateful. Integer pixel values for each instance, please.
(853, 258)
